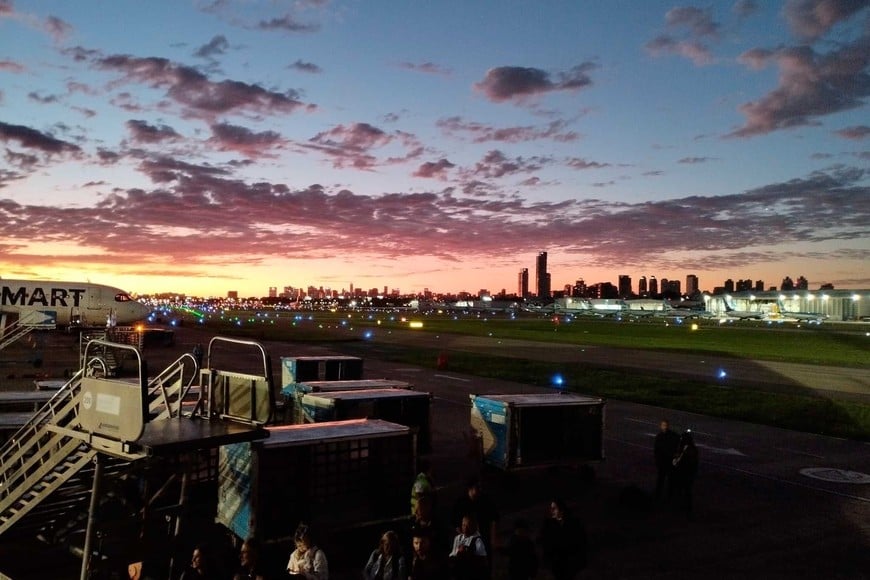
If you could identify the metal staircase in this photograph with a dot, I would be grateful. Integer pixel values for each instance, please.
(50, 450)
(22, 327)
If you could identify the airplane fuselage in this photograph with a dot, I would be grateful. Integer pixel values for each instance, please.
(69, 302)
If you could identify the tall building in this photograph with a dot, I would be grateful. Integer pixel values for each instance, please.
(579, 289)
(759, 285)
(691, 284)
(641, 286)
(624, 286)
(787, 284)
(653, 286)
(542, 278)
(729, 285)
(273, 291)
(523, 283)
(801, 283)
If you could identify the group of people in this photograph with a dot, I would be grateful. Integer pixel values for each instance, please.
(676, 458)
(464, 549)
(306, 561)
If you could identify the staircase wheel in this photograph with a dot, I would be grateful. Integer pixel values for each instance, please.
(97, 367)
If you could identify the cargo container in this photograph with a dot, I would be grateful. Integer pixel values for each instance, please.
(298, 369)
(400, 406)
(544, 429)
(293, 393)
(331, 475)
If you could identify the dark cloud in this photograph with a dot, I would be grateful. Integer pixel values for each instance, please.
(44, 100)
(698, 22)
(235, 138)
(57, 28)
(199, 95)
(214, 47)
(308, 67)
(482, 133)
(812, 19)
(695, 51)
(11, 66)
(425, 67)
(695, 160)
(33, 139)
(857, 132)
(24, 161)
(516, 83)
(496, 164)
(745, 8)
(107, 157)
(579, 163)
(434, 169)
(811, 85)
(142, 132)
(6, 8)
(286, 23)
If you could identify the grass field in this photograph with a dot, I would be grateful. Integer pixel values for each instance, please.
(802, 411)
(825, 344)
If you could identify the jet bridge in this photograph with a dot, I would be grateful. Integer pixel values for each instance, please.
(96, 427)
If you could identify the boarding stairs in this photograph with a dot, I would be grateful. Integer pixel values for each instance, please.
(25, 324)
(49, 457)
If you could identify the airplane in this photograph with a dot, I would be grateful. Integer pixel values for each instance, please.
(742, 314)
(802, 316)
(52, 303)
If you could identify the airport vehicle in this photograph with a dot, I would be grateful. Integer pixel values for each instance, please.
(53, 303)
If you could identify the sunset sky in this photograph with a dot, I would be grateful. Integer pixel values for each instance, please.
(207, 146)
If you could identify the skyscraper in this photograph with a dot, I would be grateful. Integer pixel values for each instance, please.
(691, 284)
(523, 283)
(641, 286)
(653, 286)
(542, 278)
(624, 286)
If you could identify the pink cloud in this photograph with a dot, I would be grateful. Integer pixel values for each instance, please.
(437, 169)
(425, 67)
(11, 66)
(482, 133)
(812, 19)
(235, 138)
(855, 133)
(142, 132)
(693, 50)
(33, 139)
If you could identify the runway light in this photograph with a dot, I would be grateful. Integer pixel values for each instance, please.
(368, 334)
(695, 326)
(721, 374)
(557, 380)
(415, 324)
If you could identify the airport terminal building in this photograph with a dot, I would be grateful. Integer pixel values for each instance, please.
(837, 305)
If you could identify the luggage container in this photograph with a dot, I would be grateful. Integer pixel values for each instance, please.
(298, 369)
(331, 475)
(533, 430)
(400, 406)
(293, 393)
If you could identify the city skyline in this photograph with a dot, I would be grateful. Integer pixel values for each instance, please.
(227, 144)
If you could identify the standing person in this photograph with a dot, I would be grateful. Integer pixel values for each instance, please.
(522, 558)
(665, 448)
(249, 559)
(685, 469)
(478, 504)
(468, 558)
(426, 564)
(564, 542)
(307, 560)
(386, 561)
(423, 486)
(424, 517)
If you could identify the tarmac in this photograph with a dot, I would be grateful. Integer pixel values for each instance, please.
(760, 508)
